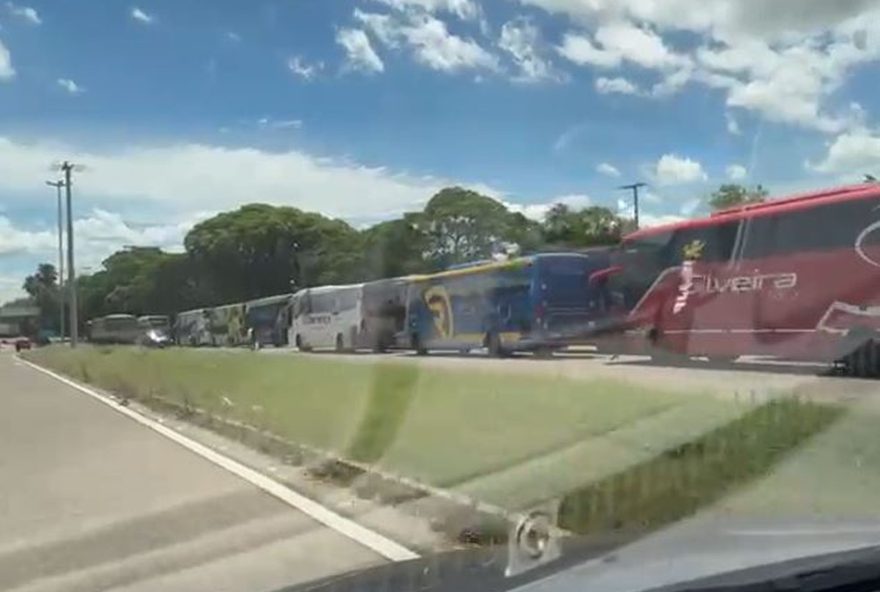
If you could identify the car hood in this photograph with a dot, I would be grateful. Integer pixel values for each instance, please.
(697, 550)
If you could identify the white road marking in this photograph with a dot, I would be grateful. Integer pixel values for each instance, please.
(345, 526)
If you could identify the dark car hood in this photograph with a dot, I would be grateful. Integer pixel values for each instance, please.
(696, 550)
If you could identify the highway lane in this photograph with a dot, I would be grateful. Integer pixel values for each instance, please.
(91, 500)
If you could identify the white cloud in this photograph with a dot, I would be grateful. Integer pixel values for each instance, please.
(675, 170)
(463, 9)
(6, 70)
(607, 169)
(25, 13)
(621, 41)
(70, 86)
(360, 54)
(538, 211)
(736, 172)
(582, 51)
(10, 288)
(647, 219)
(732, 125)
(782, 60)
(429, 40)
(853, 155)
(15, 241)
(607, 86)
(522, 40)
(299, 67)
(141, 16)
(267, 122)
(199, 177)
(233, 36)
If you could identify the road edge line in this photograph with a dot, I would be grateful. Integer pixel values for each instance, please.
(381, 544)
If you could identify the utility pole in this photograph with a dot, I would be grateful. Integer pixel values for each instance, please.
(635, 189)
(58, 185)
(67, 168)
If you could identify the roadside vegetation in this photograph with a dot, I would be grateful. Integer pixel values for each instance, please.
(623, 459)
(444, 428)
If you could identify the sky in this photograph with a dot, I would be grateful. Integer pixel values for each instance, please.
(362, 109)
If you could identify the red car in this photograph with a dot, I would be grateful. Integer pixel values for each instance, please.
(22, 344)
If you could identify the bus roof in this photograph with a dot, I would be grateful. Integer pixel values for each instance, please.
(324, 289)
(495, 265)
(791, 203)
(269, 300)
(117, 316)
(152, 317)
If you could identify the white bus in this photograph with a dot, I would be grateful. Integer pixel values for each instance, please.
(193, 328)
(326, 317)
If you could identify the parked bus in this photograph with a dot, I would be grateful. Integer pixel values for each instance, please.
(227, 325)
(384, 314)
(115, 328)
(269, 319)
(327, 317)
(192, 328)
(537, 303)
(797, 278)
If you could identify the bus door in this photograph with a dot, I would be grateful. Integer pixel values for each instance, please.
(699, 315)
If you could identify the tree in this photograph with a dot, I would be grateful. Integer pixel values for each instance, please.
(461, 225)
(258, 250)
(587, 227)
(394, 248)
(42, 287)
(731, 195)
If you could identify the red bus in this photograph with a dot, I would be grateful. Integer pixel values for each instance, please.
(796, 278)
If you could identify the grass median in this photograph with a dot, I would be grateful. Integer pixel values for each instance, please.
(435, 425)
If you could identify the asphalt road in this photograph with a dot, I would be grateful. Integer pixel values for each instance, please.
(92, 500)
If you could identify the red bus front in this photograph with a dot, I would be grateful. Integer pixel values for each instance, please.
(796, 279)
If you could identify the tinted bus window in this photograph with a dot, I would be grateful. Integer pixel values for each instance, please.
(347, 299)
(833, 226)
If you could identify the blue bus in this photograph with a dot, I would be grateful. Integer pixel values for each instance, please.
(268, 319)
(538, 303)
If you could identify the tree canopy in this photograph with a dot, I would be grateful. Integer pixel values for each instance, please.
(731, 195)
(260, 250)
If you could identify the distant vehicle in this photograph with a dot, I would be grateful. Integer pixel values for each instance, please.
(383, 306)
(268, 319)
(227, 325)
(327, 317)
(537, 303)
(22, 343)
(192, 328)
(797, 278)
(115, 328)
(155, 330)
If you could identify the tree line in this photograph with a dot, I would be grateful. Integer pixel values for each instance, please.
(260, 250)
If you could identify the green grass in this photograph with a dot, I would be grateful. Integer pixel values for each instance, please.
(435, 425)
(696, 474)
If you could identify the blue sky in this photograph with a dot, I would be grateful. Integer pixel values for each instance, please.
(362, 108)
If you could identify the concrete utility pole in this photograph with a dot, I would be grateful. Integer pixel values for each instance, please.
(58, 185)
(635, 189)
(67, 168)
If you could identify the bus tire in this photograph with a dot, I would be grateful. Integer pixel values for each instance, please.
(340, 343)
(493, 344)
(300, 344)
(543, 352)
(417, 345)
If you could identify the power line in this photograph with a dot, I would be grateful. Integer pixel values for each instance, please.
(68, 168)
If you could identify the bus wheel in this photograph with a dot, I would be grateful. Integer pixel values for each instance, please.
(493, 344)
(863, 362)
(300, 345)
(416, 344)
(340, 344)
(544, 353)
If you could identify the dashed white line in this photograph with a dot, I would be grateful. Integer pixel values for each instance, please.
(345, 526)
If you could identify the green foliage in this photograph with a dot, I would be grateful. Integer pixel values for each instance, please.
(731, 195)
(260, 250)
(43, 290)
(588, 227)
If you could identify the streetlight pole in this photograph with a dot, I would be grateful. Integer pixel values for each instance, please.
(58, 185)
(635, 189)
(67, 168)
